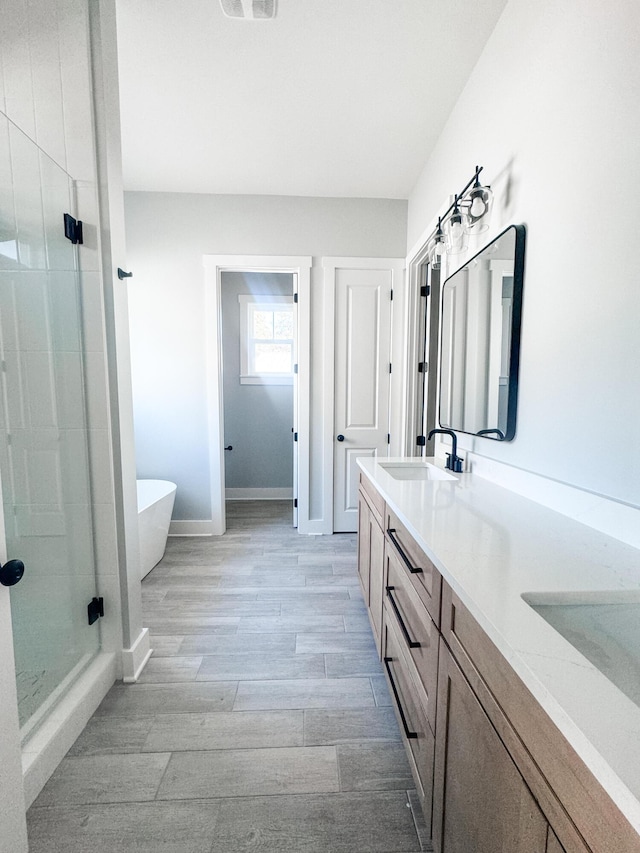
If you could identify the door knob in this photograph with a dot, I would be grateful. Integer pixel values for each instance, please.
(11, 572)
(340, 438)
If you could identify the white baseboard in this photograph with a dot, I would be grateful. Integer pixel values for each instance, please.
(191, 528)
(285, 494)
(42, 753)
(135, 658)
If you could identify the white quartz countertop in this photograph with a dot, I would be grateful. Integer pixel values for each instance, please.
(492, 546)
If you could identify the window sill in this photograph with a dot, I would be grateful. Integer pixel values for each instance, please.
(266, 380)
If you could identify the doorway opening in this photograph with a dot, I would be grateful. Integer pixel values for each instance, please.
(257, 316)
(423, 349)
(258, 361)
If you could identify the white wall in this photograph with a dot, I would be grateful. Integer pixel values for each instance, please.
(167, 236)
(552, 110)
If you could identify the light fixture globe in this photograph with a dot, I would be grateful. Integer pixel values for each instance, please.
(456, 230)
(437, 248)
(480, 203)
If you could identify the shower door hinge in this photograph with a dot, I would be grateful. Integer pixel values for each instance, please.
(425, 290)
(95, 609)
(422, 366)
(390, 368)
(72, 229)
(295, 368)
(388, 438)
(295, 436)
(391, 295)
(295, 297)
(295, 503)
(421, 440)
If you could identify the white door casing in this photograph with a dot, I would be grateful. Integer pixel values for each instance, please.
(358, 351)
(300, 267)
(13, 837)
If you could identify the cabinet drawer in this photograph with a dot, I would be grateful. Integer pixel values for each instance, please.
(416, 732)
(423, 574)
(414, 628)
(373, 497)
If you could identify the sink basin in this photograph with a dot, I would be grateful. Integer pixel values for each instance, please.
(415, 470)
(604, 628)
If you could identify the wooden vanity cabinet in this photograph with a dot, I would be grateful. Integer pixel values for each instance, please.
(371, 554)
(493, 772)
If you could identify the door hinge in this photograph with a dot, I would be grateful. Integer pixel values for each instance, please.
(425, 290)
(72, 229)
(295, 503)
(391, 295)
(388, 438)
(389, 368)
(295, 297)
(95, 609)
(422, 366)
(421, 441)
(295, 436)
(295, 368)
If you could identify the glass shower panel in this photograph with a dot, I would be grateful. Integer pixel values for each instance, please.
(43, 440)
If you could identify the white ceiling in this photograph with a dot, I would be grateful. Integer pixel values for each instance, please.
(330, 98)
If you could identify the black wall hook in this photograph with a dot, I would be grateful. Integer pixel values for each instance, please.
(122, 274)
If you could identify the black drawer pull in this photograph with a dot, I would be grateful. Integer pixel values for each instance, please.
(411, 735)
(413, 569)
(411, 643)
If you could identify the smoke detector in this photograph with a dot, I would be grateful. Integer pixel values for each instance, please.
(252, 10)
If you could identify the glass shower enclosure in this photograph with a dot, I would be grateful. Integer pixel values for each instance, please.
(44, 463)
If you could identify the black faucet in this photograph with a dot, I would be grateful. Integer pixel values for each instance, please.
(454, 462)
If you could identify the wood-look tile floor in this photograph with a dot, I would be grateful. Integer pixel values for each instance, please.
(261, 723)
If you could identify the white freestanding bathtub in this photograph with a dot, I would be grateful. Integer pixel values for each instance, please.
(155, 505)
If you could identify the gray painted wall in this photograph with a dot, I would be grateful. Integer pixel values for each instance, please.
(257, 418)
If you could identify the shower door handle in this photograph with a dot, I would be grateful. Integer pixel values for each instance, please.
(11, 572)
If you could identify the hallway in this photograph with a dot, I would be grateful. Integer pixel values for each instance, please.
(262, 721)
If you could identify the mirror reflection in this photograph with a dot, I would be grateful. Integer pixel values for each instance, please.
(480, 344)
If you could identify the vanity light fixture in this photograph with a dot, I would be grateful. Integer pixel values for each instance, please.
(470, 213)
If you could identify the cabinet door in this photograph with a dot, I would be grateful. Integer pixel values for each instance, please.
(364, 546)
(371, 565)
(376, 579)
(481, 802)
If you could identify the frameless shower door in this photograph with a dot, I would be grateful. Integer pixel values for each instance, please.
(43, 430)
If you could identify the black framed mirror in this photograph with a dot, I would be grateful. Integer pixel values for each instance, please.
(480, 340)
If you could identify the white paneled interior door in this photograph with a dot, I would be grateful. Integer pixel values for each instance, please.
(362, 348)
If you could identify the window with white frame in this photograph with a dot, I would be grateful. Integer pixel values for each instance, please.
(266, 339)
